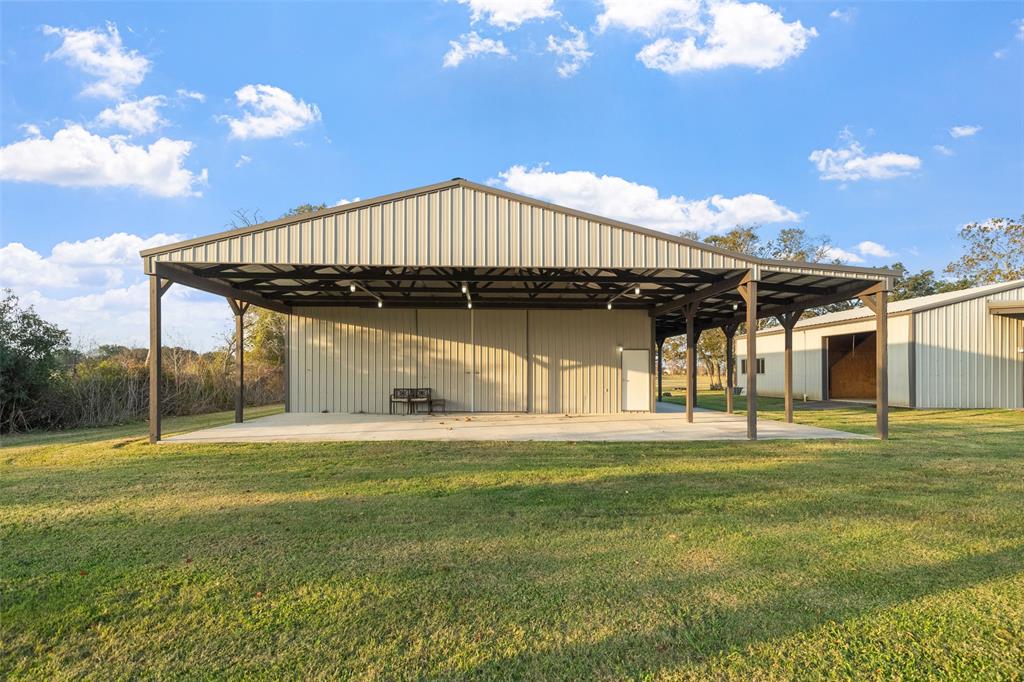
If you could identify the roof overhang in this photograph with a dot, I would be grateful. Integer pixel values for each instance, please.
(1014, 309)
(663, 293)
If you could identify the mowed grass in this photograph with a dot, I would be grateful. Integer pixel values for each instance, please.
(902, 559)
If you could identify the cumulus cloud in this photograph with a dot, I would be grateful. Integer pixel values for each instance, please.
(943, 149)
(851, 163)
(964, 131)
(191, 94)
(471, 45)
(99, 261)
(615, 197)
(836, 253)
(739, 34)
(242, 160)
(342, 202)
(269, 111)
(651, 16)
(138, 116)
(844, 15)
(572, 50)
(102, 55)
(96, 289)
(74, 157)
(874, 249)
(509, 14)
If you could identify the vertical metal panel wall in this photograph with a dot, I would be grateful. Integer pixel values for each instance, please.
(575, 364)
(349, 359)
(967, 357)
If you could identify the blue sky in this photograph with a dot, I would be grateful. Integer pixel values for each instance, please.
(127, 125)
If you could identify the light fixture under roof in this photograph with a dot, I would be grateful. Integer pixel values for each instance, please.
(465, 288)
(609, 306)
(380, 304)
(352, 287)
(470, 305)
(735, 306)
(637, 291)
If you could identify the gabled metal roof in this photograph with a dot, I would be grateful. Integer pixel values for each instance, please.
(462, 223)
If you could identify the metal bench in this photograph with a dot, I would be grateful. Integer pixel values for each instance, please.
(412, 398)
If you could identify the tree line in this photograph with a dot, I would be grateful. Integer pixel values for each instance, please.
(46, 384)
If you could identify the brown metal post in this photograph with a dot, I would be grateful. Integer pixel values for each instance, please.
(287, 363)
(881, 364)
(155, 389)
(788, 379)
(730, 364)
(239, 308)
(691, 360)
(751, 298)
(788, 322)
(661, 366)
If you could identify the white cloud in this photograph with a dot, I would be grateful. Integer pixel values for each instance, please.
(30, 130)
(74, 157)
(99, 261)
(1020, 30)
(615, 197)
(120, 315)
(273, 112)
(943, 149)
(740, 34)
(191, 94)
(342, 202)
(96, 289)
(964, 131)
(242, 160)
(139, 116)
(851, 163)
(650, 16)
(101, 55)
(874, 249)
(572, 50)
(1000, 54)
(471, 45)
(844, 15)
(509, 14)
(836, 253)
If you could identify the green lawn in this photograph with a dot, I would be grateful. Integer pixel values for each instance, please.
(902, 559)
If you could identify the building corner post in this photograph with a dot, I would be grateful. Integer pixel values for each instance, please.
(239, 308)
(155, 365)
(730, 367)
(692, 334)
(751, 300)
(882, 364)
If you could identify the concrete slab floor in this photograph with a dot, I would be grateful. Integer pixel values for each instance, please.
(668, 424)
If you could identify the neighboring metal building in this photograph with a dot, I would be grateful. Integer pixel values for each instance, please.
(496, 301)
(961, 349)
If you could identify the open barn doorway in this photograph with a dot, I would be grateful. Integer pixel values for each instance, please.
(850, 366)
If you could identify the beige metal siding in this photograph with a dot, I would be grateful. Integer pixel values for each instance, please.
(446, 356)
(499, 363)
(967, 357)
(349, 359)
(454, 226)
(575, 363)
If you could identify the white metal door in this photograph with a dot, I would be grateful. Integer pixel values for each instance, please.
(636, 380)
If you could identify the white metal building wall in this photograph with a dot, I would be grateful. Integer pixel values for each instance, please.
(808, 347)
(349, 359)
(968, 357)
